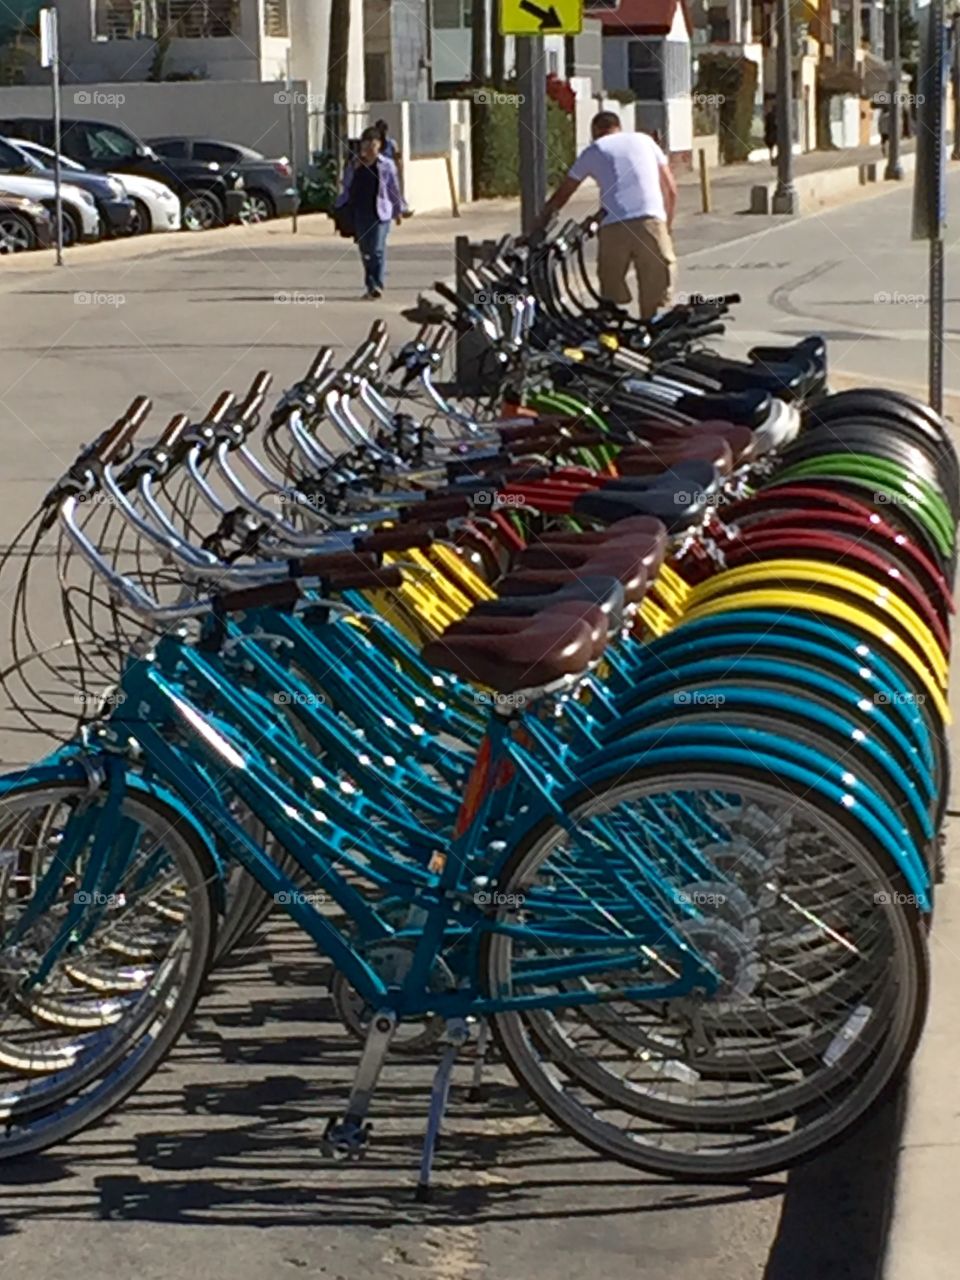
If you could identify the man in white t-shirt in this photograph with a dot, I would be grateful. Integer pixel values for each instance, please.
(638, 195)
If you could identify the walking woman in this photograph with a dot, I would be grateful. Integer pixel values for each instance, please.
(371, 191)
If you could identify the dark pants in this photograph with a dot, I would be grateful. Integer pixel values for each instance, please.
(372, 243)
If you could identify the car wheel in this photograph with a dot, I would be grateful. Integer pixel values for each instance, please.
(141, 224)
(71, 228)
(202, 212)
(16, 233)
(258, 207)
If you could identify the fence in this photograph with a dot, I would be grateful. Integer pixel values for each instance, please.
(427, 133)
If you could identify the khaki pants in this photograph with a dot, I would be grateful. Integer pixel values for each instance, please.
(644, 244)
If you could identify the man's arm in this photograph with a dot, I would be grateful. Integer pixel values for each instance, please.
(556, 202)
(668, 185)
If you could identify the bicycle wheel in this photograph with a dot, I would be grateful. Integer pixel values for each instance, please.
(97, 985)
(843, 971)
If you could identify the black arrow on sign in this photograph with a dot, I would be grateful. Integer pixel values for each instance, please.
(550, 20)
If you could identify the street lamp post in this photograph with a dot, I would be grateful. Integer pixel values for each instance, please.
(894, 169)
(785, 195)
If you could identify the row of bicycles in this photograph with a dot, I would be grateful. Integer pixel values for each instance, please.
(593, 725)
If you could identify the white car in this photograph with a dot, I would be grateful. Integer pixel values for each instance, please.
(81, 221)
(158, 208)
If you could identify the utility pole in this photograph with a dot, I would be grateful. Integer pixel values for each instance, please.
(532, 115)
(785, 195)
(894, 169)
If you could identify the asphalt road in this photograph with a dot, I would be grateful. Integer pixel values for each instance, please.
(214, 1168)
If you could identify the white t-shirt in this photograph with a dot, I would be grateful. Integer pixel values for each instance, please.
(626, 167)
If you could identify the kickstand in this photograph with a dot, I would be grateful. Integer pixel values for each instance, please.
(346, 1136)
(479, 1061)
(456, 1036)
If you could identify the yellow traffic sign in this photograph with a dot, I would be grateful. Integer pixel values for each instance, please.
(541, 17)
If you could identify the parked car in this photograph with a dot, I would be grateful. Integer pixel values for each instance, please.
(113, 204)
(155, 206)
(270, 184)
(24, 224)
(208, 194)
(81, 221)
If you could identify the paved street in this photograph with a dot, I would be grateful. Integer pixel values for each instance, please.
(224, 1143)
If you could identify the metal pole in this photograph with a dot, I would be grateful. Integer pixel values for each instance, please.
(55, 82)
(936, 283)
(532, 117)
(292, 141)
(894, 169)
(955, 79)
(785, 195)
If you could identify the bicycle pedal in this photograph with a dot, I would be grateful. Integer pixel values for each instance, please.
(345, 1139)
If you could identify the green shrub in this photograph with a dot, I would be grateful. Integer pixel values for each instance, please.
(496, 145)
(732, 83)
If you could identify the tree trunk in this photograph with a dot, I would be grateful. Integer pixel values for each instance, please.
(478, 43)
(335, 106)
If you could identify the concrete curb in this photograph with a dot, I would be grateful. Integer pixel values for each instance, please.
(826, 186)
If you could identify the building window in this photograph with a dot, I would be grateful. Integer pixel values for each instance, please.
(645, 70)
(275, 20)
(190, 19)
(718, 24)
(452, 15)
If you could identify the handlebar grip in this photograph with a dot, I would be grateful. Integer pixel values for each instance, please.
(220, 407)
(255, 396)
(114, 441)
(319, 565)
(404, 539)
(731, 299)
(319, 364)
(271, 595)
(173, 431)
(371, 579)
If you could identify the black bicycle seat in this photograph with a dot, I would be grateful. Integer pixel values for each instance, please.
(678, 497)
(747, 408)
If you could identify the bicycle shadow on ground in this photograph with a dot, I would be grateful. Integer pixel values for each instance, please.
(836, 1212)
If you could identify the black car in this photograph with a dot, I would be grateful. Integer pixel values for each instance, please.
(114, 206)
(270, 185)
(210, 194)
